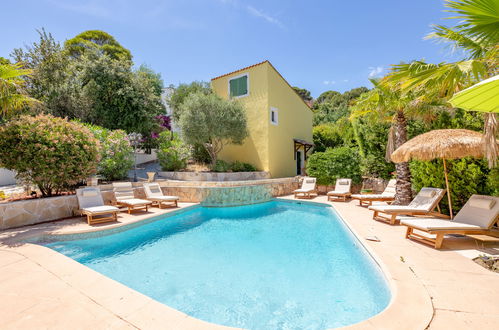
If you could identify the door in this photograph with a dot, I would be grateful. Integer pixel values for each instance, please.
(299, 165)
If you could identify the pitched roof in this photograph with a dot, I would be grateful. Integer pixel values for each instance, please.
(257, 64)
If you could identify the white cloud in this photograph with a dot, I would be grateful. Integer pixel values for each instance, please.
(345, 80)
(375, 71)
(258, 13)
(329, 82)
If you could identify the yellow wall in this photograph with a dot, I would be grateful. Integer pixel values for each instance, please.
(268, 147)
(255, 148)
(294, 122)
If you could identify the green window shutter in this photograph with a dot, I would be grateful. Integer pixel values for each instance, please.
(238, 86)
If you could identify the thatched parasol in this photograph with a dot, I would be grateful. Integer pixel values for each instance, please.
(441, 143)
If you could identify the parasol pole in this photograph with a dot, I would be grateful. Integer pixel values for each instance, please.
(448, 189)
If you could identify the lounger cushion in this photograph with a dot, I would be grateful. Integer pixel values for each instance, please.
(134, 201)
(310, 180)
(373, 196)
(89, 193)
(304, 190)
(482, 203)
(429, 224)
(99, 209)
(344, 182)
(334, 192)
(396, 208)
(164, 198)
(427, 193)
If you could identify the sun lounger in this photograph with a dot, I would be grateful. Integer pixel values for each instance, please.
(424, 203)
(388, 195)
(477, 216)
(342, 190)
(123, 191)
(92, 205)
(307, 188)
(155, 195)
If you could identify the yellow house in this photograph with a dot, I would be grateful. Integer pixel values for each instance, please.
(279, 121)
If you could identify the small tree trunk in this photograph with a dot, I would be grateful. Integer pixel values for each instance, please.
(403, 195)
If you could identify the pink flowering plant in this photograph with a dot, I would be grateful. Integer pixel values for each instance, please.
(173, 153)
(116, 153)
(50, 152)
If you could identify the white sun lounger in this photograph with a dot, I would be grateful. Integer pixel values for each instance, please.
(424, 203)
(477, 216)
(123, 191)
(92, 205)
(307, 188)
(155, 195)
(342, 190)
(388, 195)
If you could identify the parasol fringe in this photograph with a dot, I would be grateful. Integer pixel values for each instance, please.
(490, 147)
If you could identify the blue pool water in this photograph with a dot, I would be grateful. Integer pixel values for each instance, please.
(276, 265)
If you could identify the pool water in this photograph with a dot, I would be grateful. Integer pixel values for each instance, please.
(275, 265)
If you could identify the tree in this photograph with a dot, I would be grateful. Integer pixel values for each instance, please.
(212, 121)
(477, 35)
(182, 92)
(330, 106)
(304, 94)
(388, 103)
(99, 41)
(13, 96)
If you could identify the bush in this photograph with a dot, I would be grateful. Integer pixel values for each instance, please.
(467, 176)
(242, 167)
(116, 153)
(326, 136)
(47, 151)
(221, 166)
(173, 153)
(343, 162)
(199, 154)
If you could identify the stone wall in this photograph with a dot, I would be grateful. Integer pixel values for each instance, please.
(230, 193)
(213, 176)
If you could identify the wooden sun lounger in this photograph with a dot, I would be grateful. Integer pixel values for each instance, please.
(387, 196)
(124, 194)
(342, 190)
(307, 189)
(92, 205)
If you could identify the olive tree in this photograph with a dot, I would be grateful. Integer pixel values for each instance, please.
(213, 122)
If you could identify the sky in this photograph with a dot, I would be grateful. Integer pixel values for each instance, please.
(317, 45)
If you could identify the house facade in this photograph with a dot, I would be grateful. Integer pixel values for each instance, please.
(279, 121)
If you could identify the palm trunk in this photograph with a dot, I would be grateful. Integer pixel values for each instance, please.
(403, 195)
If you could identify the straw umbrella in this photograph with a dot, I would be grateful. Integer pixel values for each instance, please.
(441, 143)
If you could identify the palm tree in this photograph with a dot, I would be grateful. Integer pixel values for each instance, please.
(478, 37)
(12, 96)
(387, 103)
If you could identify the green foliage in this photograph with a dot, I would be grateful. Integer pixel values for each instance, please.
(173, 154)
(12, 93)
(96, 41)
(199, 154)
(242, 167)
(221, 166)
(182, 92)
(210, 120)
(304, 94)
(467, 176)
(116, 153)
(343, 162)
(331, 106)
(493, 181)
(50, 152)
(326, 136)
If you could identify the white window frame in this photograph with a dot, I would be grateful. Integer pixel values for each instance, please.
(275, 111)
(236, 77)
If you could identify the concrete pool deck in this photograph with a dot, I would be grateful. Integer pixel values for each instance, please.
(438, 289)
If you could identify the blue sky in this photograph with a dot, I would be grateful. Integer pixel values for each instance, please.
(317, 45)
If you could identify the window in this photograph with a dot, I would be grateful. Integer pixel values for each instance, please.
(274, 116)
(238, 86)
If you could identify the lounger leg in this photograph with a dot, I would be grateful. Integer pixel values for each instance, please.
(408, 232)
(129, 210)
(89, 219)
(375, 215)
(147, 207)
(176, 203)
(393, 219)
(439, 240)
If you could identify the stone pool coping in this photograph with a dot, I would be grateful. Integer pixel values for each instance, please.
(40, 287)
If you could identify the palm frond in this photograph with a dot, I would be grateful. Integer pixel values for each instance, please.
(458, 40)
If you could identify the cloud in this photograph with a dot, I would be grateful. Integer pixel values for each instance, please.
(375, 71)
(345, 80)
(329, 82)
(260, 14)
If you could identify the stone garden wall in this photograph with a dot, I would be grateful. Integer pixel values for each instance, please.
(213, 176)
(230, 193)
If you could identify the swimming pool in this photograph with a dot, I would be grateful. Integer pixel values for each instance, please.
(275, 265)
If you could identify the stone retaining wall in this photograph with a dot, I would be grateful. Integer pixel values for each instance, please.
(230, 193)
(213, 176)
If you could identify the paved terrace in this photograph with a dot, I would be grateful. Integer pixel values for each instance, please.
(435, 289)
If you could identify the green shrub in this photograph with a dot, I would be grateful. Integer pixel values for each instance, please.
(343, 162)
(48, 151)
(467, 176)
(326, 136)
(242, 167)
(199, 154)
(221, 166)
(116, 153)
(173, 153)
